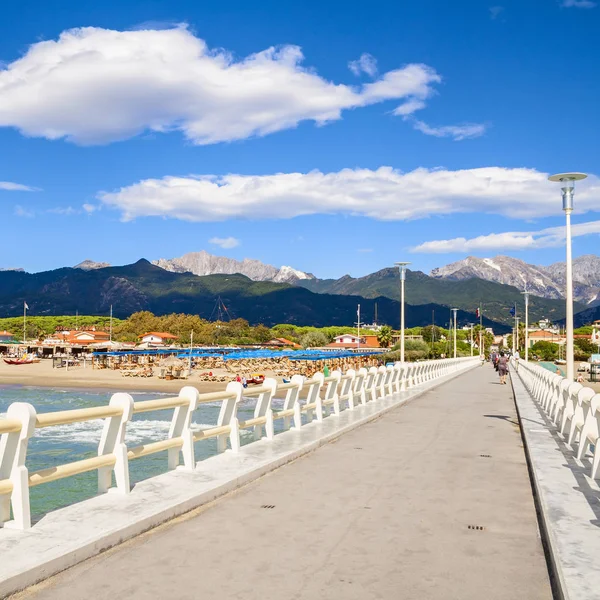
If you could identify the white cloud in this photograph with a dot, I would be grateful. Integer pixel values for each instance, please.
(90, 208)
(510, 240)
(63, 210)
(385, 193)
(20, 211)
(578, 4)
(496, 11)
(95, 86)
(16, 187)
(457, 132)
(228, 242)
(365, 64)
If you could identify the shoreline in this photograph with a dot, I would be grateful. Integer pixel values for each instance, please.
(42, 375)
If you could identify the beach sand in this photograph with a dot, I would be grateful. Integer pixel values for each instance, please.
(43, 375)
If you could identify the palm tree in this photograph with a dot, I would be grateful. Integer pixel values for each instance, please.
(384, 336)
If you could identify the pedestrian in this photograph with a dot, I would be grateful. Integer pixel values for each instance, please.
(516, 356)
(502, 368)
(244, 382)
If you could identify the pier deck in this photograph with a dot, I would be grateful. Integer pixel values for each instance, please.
(382, 512)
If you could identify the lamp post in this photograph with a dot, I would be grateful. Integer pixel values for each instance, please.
(568, 191)
(471, 326)
(517, 319)
(526, 296)
(402, 268)
(455, 310)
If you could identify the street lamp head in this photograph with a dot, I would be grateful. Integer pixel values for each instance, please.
(568, 190)
(402, 267)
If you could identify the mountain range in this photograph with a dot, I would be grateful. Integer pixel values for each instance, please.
(496, 283)
(144, 286)
(547, 282)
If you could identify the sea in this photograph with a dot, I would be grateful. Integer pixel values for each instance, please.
(63, 444)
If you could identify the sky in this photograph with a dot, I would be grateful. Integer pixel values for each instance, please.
(334, 137)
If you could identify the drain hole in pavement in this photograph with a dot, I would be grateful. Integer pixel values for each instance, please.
(476, 527)
(268, 506)
(485, 455)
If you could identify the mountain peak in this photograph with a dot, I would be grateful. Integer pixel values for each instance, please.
(89, 265)
(204, 263)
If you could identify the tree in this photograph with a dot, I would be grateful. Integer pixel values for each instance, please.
(384, 336)
(314, 339)
(545, 350)
(432, 333)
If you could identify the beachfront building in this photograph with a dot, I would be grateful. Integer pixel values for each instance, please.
(349, 341)
(157, 338)
(6, 337)
(78, 337)
(281, 343)
(546, 335)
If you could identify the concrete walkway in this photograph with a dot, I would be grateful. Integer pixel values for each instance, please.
(383, 512)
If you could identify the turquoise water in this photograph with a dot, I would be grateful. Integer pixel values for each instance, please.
(68, 443)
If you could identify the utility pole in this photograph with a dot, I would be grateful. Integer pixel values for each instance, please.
(471, 326)
(526, 296)
(111, 322)
(455, 310)
(402, 268)
(358, 328)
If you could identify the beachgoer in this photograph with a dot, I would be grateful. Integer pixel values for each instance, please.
(326, 371)
(244, 382)
(580, 378)
(502, 368)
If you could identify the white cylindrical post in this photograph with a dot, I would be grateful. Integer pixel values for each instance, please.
(568, 191)
(569, 297)
(402, 268)
(455, 310)
(526, 295)
(402, 316)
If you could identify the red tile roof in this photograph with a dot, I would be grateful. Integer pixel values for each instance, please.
(160, 334)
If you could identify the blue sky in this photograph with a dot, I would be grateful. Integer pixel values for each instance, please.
(157, 131)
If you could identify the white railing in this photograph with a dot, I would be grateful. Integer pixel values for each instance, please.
(323, 396)
(573, 408)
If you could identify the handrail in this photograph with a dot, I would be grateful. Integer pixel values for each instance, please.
(152, 448)
(160, 404)
(74, 468)
(10, 426)
(77, 415)
(325, 395)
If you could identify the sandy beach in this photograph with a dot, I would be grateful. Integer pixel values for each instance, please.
(43, 375)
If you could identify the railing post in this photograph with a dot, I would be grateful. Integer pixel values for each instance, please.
(359, 385)
(317, 395)
(263, 409)
(299, 381)
(113, 442)
(13, 453)
(228, 416)
(332, 391)
(181, 427)
(347, 391)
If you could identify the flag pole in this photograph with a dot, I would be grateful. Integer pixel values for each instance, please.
(24, 320)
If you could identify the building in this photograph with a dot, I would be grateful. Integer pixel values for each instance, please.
(281, 343)
(78, 337)
(6, 336)
(349, 341)
(546, 335)
(157, 338)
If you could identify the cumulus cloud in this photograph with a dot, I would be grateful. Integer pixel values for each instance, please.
(95, 86)
(365, 64)
(228, 242)
(578, 4)
(384, 193)
(457, 132)
(510, 240)
(16, 187)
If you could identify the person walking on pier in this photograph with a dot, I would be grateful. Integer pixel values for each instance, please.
(502, 368)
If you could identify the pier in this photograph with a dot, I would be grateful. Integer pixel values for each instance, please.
(416, 481)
